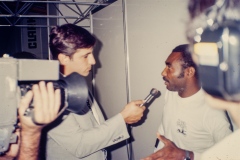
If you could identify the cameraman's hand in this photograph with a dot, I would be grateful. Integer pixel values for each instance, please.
(132, 112)
(46, 104)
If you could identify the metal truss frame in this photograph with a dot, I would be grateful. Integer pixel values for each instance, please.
(20, 9)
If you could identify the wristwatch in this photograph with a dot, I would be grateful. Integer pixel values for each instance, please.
(187, 156)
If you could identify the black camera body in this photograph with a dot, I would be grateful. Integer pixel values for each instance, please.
(17, 77)
(217, 53)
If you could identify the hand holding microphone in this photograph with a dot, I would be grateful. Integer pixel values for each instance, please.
(153, 94)
(133, 111)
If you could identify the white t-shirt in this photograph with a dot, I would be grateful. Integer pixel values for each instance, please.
(191, 124)
(227, 149)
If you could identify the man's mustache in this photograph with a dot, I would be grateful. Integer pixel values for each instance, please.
(165, 79)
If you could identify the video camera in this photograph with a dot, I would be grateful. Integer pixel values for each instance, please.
(17, 77)
(216, 50)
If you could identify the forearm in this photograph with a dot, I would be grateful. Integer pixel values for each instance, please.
(29, 146)
(110, 132)
(87, 141)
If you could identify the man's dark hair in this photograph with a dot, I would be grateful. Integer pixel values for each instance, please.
(186, 57)
(67, 38)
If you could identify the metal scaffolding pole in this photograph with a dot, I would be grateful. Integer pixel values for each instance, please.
(13, 11)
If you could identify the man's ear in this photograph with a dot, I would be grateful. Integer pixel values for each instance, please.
(63, 59)
(190, 71)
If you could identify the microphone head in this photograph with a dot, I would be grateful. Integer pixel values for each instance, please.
(154, 92)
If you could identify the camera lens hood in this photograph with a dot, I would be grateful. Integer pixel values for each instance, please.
(75, 92)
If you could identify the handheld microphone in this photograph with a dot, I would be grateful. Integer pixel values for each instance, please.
(153, 93)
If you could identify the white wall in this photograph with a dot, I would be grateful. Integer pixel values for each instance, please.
(110, 75)
(154, 28)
